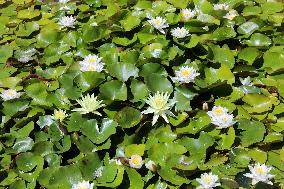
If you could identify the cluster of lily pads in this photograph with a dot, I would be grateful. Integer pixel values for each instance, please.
(141, 94)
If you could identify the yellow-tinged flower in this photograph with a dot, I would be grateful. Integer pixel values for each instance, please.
(83, 185)
(89, 104)
(260, 173)
(160, 106)
(208, 181)
(136, 161)
(59, 115)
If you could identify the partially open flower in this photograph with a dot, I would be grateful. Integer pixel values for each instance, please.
(208, 181)
(159, 23)
(98, 172)
(187, 14)
(136, 161)
(89, 104)
(260, 173)
(159, 105)
(231, 14)
(10, 94)
(83, 185)
(59, 115)
(180, 32)
(117, 161)
(151, 165)
(63, 1)
(221, 6)
(185, 74)
(246, 81)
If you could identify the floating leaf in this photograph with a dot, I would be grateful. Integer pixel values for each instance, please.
(253, 131)
(123, 71)
(128, 117)
(113, 90)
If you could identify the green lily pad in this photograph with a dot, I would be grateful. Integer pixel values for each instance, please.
(253, 131)
(128, 117)
(113, 90)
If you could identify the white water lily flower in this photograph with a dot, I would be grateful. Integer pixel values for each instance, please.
(159, 105)
(136, 161)
(220, 117)
(89, 104)
(59, 115)
(161, 185)
(221, 6)
(94, 24)
(10, 94)
(67, 21)
(217, 111)
(63, 1)
(117, 161)
(185, 74)
(159, 23)
(223, 121)
(83, 185)
(65, 8)
(206, 28)
(182, 161)
(187, 14)
(151, 165)
(260, 173)
(98, 172)
(231, 14)
(246, 81)
(208, 181)
(91, 63)
(180, 32)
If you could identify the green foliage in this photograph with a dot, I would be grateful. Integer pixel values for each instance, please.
(112, 50)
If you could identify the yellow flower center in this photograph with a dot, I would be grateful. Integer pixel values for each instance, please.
(159, 103)
(185, 73)
(157, 21)
(185, 14)
(82, 187)
(225, 118)
(260, 170)
(207, 179)
(11, 93)
(136, 161)
(93, 60)
(59, 115)
(91, 68)
(219, 111)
